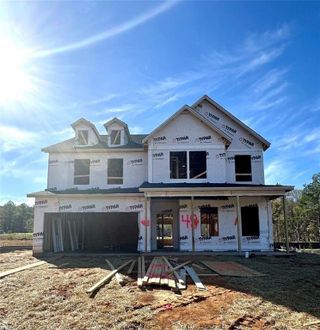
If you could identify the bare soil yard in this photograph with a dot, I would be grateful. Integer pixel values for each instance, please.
(53, 296)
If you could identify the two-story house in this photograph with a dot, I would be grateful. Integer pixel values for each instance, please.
(195, 183)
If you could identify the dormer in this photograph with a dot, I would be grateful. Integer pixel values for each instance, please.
(86, 133)
(118, 133)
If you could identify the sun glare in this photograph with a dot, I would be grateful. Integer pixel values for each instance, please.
(15, 81)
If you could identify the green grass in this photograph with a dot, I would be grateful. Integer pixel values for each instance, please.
(16, 236)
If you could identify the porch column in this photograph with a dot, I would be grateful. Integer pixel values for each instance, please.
(192, 224)
(285, 222)
(239, 221)
(147, 218)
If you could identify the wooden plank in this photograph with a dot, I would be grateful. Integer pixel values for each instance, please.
(180, 266)
(118, 276)
(20, 269)
(54, 237)
(194, 265)
(230, 268)
(180, 283)
(195, 278)
(149, 271)
(143, 267)
(139, 278)
(131, 267)
(107, 278)
(183, 274)
(83, 228)
(71, 236)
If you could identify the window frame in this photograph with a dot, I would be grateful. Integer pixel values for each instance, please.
(246, 175)
(211, 222)
(82, 138)
(114, 179)
(78, 177)
(246, 223)
(117, 136)
(188, 169)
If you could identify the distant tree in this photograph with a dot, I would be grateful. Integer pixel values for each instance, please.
(16, 218)
(310, 203)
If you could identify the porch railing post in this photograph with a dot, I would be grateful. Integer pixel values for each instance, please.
(285, 222)
(192, 224)
(239, 221)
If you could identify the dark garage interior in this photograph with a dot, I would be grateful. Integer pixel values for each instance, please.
(91, 232)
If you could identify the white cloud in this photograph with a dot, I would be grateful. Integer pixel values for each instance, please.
(277, 171)
(13, 138)
(112, 32)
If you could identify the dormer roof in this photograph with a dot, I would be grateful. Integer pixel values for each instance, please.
(116, 120)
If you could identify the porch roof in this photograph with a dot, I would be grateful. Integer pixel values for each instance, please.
(212, 189)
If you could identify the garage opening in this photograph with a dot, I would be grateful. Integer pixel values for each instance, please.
(96, 232)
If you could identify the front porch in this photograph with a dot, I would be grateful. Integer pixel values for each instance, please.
(210, 218)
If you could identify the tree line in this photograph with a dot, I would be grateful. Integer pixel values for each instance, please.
(16, 218)
(303, 214)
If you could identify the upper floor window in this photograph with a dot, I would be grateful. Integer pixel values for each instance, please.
(250, 220)
(115, 171)
(181, 168)
(243, 167)
(115, 137)
(209, 222)
(178, 165)
(198, 164)
(83, 137)
(81, 171)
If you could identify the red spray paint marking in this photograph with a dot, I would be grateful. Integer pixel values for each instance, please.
(145, 222)
(186, 218)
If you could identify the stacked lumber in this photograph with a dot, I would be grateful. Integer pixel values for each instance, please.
(160, 272)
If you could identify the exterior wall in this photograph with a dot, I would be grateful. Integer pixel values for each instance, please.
(87, 205)
(186, 133)
(61, 169)
(227, 239)
(178, 136)
(92, 137)
(243, 143)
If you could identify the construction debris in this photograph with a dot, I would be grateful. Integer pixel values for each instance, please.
(107, 278)
(20, 269)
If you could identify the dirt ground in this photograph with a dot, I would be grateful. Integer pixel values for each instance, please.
(53, 296)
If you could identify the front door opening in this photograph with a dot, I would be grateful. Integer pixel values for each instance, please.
(164, 230)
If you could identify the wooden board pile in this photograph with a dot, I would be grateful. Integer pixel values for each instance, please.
(161, 272)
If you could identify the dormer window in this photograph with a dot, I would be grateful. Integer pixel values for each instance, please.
(115, 137)
(83, 137)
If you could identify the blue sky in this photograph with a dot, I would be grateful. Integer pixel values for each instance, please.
(141, 61)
